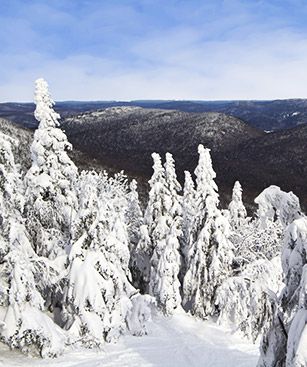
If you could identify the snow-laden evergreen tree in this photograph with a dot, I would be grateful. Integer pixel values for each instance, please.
(188, 215)
(156, 203)
(173, 199)
(99, 302)
(258, 275)
(252, 241)
(245, 301)
(275, 204)
(51, 201)
(165, 261)
(23, 323)
(188, 209)
(210, 252)
(285, 342)
(134, 218)
(260, 238)
(165, 265)
(134, 215)
(236, 207)
(154, 210)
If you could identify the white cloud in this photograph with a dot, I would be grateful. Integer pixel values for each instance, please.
(226, 58)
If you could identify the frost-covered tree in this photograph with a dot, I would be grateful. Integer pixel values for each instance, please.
(236, 207)
(99, 301)
(156, 201)
(141, 263)
(252, 242)
(11, 190)
(134, 215)
(188, 215)
(273, 204)
(245, 301)
(134, 218)
(210, 254)
(23, 322)
(165, 265)
(285, 342)
(51, 201)
(261, 237)
(157, 253)
(257, 270)
(165, 260)
(173, 187)
(154, 210)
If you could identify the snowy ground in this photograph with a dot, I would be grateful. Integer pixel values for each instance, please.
(180, 341)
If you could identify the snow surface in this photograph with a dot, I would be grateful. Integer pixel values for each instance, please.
(180, 341)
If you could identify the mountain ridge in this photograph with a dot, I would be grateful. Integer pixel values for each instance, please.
(265, 115)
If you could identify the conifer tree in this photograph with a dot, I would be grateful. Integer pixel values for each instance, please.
(154, 210)
(134, 215)
(22, 272)
(99, 301)
(188, 213)
(51, 202)
(158, 248)
(134, 218)
(173, 187)
(284, 344)
(236, 207)
(165, 261)
(210, 254)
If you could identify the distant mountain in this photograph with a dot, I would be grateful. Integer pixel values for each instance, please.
(265, 115)
(124, 138)
(22, 153)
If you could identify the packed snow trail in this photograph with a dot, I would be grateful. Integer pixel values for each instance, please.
(179, 341)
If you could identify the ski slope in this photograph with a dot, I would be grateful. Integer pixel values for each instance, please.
(180, 341)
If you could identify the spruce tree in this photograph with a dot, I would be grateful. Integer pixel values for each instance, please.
(210, 253)
(236, 207)
(99, 301)
(284, 344)
(154, 210)
(51, 201)
(25, 325)
(188, 215)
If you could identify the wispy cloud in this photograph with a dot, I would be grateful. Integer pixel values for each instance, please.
(153, 49)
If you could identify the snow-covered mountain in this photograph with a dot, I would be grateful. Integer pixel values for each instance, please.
(265, 115)
(124, 137)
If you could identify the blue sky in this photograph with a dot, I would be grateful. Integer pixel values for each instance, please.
(154, 49)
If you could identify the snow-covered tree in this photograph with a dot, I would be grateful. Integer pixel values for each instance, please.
(236, 207)
(252, 242)
(51, 201)
(273, 204)
(245, 301)
(210, 253)
(134, 215)
(23, 323)
(165, 260)
(188, 215)
(154, 210)
(141, 263)
(165, 265)
(173, 187)
(11, 190)
(261, 237)
(156, 201)
(99, 301)
(157, 253)
(134, 218)
(285, 342)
